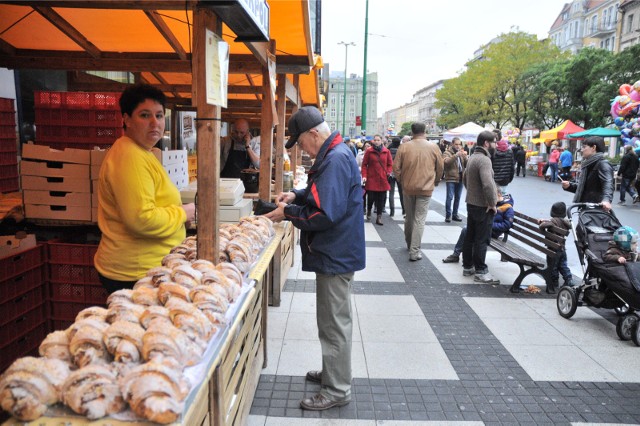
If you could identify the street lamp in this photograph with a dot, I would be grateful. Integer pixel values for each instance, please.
(363, 125)
(344, 103)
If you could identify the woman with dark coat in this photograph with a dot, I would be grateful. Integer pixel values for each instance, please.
(503, 165)
(393, 148)
(377, 166)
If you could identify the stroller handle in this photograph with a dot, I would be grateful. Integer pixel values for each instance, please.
(582, 205)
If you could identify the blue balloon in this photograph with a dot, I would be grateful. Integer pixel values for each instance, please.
(619, 121)
(626, 132)
(626, 140)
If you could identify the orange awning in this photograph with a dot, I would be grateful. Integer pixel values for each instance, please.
(561, 131)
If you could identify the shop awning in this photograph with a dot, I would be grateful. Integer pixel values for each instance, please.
(152, 38)
(560, 132)
(598, 131)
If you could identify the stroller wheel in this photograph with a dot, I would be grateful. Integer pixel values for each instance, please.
(625, 325)
(623, 310)
(635, 333)
(567, 302)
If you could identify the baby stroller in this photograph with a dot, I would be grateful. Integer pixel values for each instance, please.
(604, 285)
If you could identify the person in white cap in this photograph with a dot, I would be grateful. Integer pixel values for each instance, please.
(329, 214)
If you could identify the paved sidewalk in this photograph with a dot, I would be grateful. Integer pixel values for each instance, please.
(432, 347)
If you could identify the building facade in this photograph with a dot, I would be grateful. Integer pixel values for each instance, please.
(427, 112)
(587, 23)
(629, 28)
(336, 107)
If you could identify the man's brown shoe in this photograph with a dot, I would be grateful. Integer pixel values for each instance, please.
(319, 402)
(314, 376)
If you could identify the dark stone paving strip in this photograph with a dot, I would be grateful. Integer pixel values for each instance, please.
(493, 388)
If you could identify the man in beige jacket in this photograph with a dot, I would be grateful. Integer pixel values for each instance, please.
(418, 167)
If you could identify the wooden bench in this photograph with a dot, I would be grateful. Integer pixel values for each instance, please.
(536, 245)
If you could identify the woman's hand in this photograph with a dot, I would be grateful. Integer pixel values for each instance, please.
(190, 210)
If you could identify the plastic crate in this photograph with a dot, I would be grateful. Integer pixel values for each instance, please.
(20, 284)
(61, 324)
(24, 345)
(78, 117)
(78, 293)
(7, 105)
(8, 118)
(66, 311)
(75, 274)
(10, 184)
(8, 130)
(8, 159)
(78, 134)
(76, 100)
(21, 324)
(22, 262)
(9, 144)
(74, 254)
(76, 145)
(19, 306)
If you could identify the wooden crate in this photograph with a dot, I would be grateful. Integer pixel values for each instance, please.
(282, 261)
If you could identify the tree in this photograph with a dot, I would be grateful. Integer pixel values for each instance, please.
(405, 129)
(549, 102)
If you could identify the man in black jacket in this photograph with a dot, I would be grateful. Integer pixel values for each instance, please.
(627, 172)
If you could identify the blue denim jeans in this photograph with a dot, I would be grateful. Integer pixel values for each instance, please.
(625, 186)
(554, 171)
(560, 267)
(454, 192)
(460, 243)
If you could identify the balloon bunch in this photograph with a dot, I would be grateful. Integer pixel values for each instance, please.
(512, 133)
(624, 110)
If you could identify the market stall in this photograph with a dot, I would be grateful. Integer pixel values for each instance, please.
(270, 75)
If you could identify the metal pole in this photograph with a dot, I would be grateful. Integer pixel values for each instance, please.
(344, 102)
(363, 125)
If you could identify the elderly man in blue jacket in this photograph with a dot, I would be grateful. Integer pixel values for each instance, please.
(329, 214)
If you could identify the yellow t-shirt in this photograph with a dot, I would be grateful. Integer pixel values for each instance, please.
(139, 213)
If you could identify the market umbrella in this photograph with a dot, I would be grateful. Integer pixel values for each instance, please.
(468, 132)
(561, 132)
(598, 131)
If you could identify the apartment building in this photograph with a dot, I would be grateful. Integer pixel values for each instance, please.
(629, 28)
(582, 23)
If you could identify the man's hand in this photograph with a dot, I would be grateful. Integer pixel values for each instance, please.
(364, 180)
(565, 183)
(277, 215)
(622, 260)
(492, 209)
(286, 197)
(606, 206)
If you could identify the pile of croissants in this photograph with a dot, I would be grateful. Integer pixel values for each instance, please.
(134, 351)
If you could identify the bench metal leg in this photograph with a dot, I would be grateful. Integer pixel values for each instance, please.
(515, 288)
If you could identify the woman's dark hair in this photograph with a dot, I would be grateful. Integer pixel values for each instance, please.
(136, 94)
(596, 141)
(395, 142)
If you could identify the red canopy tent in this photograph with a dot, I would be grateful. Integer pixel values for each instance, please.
(561, 132)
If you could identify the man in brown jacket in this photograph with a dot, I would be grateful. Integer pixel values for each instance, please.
(418, 167)
(455, 161)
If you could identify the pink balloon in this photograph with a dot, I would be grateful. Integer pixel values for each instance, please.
(635, 96)
(614, 109)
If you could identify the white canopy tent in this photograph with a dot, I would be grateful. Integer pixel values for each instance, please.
(468, 132)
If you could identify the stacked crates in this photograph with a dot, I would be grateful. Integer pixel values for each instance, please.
(73, 280)
(9, 179)
(77, 119)
(23, 303)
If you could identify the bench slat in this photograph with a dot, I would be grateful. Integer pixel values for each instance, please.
(512, 252)
(521, 234)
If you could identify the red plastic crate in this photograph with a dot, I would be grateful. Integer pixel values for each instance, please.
(78, 117)
(81, 293)
(20, 284)
(8, 118)
(19, 306)
(23, 323)
(24, 345)
(7, 105)
(75, 145)
(77, 100)
(74, 254)
(10, 184)
(9, 144)
(8, 159)
(8, 130)
(66, 311)
(60, 324)
(75, 274)
(78, 134)
(22, 262)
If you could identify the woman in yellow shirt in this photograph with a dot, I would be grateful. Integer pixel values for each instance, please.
(140, 212)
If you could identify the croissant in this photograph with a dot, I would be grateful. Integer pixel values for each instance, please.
(155, 312)
(159, 274)
(190, 319)
(231, 272)
(155, 392)
(190, 241)
(92, 311)
(146, 282)
(145, 296)
(123, 340)
(56, 346)
(167, 341)
(202, 265)
(264, 223)
(174, 259)
(186, 276)
(181, 249)
(93, 392)
(31, 384)
(118, 296)
(125, 312)
(94, 322)
(166, 290)
(211, 302)
(87, 347)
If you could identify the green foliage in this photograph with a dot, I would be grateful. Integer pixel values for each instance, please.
(405, 129)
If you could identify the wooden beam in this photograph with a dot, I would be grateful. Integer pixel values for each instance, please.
(259, 50)
(291, 92)
(68, 29)
(251, 82)
(244, 90)
(244, 64)
(7, 48)
(166, 32)
(164, 82)
(63, 62)
(208, 140)
(115, 4)
(280, 108)
(266, 132)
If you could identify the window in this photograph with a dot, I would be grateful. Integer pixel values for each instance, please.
(594, 23)
(341, 101)
(332, 100)
(352, 114)
(332, 112)
(352, 99)
(605, 18)
(629, 23)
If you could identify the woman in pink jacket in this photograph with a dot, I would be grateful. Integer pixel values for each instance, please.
(377, 166)
(553, 163)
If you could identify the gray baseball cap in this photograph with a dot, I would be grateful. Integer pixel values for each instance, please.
(306, 118)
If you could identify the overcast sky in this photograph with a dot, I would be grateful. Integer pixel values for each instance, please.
(413, 43)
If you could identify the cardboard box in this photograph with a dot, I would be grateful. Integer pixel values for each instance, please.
(167, 157)
(42, 211)
(94, 198)
(68, 155)
(95, 172)
(54, 169)
(97, 156)
(233, 213)
(10, 245)
(65, 184)
(55, 198)
(94, 214)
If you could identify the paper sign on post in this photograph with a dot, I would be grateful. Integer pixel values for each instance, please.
(217, 69)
